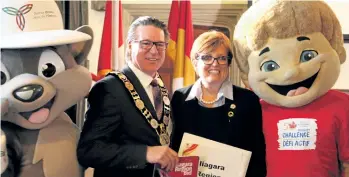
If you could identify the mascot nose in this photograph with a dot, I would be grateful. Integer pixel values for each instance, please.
(291, 73)
(28, 93)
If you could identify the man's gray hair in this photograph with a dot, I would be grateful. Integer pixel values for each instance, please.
(144, 21)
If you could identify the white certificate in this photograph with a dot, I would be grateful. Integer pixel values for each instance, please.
(216, 159)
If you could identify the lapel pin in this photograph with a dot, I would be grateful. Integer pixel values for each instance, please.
(230, 113)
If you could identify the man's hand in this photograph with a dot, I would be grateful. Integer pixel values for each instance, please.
(162, 155)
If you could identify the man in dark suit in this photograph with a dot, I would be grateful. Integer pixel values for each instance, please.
(125, 132)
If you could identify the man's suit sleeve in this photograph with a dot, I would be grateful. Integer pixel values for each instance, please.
(98, 147)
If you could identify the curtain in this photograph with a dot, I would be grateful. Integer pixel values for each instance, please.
(75, 14)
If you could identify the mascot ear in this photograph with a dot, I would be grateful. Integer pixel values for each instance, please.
(342, 55)
(80, 50)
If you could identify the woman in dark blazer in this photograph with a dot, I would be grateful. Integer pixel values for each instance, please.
(214, 108)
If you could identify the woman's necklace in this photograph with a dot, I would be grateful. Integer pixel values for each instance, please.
(208, 102)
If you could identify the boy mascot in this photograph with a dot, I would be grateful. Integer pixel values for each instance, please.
(40, 79)
(289, 54)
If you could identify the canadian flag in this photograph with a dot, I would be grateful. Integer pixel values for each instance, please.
(111, 54)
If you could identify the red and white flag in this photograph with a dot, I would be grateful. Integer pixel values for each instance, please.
(181, 29)
(111, 54)
(118, 61)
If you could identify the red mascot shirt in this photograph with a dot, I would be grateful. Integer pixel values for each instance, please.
(308, 141)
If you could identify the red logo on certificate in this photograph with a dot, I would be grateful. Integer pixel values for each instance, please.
(187, 167)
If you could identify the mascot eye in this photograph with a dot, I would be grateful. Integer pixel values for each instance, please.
(308, 55)
(48, 70)
(269, 66)
(5, 75)
(50, 64)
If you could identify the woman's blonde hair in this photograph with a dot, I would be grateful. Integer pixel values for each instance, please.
(209, 41)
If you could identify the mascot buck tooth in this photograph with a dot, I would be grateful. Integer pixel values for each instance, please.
(289, 53)
(40, 79)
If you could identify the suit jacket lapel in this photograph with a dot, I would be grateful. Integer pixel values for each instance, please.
(140, 90)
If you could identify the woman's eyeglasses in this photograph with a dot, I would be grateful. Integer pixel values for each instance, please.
(208, 59)
(147, 45)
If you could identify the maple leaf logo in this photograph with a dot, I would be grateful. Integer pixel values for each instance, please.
(291, 125)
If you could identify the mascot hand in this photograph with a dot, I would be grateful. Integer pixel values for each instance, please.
(4, 106)
(4, 156)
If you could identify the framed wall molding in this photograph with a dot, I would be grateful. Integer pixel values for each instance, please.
(346, 38)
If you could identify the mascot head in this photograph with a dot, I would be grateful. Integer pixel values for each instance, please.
(40, 72)
(289, 52)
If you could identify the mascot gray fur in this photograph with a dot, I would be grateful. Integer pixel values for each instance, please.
(40, 79)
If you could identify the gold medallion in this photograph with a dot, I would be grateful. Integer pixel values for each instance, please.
(232, 106)
(166, 100)
(154, 123)
(166, 125)
(169, 128)
(160, 82)
(123, 77)
(166, 120)
(162, 127)
(128, 85)
(139, 104)
(164, 139)
(230, 113)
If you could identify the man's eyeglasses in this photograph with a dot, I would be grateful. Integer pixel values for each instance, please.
(147, 45)
(208, 59)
